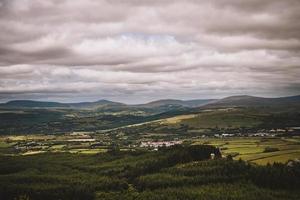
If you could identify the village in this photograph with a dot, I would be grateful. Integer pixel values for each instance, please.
(89, 142)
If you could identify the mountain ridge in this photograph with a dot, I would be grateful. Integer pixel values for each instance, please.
(239, 100)
(246, 100)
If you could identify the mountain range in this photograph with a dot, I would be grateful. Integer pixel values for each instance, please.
(232, 101)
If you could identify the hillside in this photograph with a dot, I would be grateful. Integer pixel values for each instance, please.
(175, 102)
(25, 117)
(33, 104)
(155, 107)
(105, 103)
(163, 104)
(45, 104)
(251, 101)
(95, 105)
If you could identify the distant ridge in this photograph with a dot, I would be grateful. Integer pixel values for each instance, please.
(164, 104)
(96, 104)
(250, 101)
(103, 103)
(46, 104)
(32, 104)
(187, 103)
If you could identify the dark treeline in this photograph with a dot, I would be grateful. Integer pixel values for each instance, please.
(178, 172)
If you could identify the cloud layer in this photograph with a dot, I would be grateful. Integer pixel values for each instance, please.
(139, 50)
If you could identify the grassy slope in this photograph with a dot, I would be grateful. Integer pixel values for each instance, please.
(224, 119)
(233, 118)
(57, 121)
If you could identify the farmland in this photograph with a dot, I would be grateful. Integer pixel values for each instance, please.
(253, 149)
(258, 150)
(253, 134)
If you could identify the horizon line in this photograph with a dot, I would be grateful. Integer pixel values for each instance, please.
(147, 102)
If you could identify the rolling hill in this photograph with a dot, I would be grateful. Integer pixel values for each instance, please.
(32, 104)
(175, 102)
(252, 101)
(152, 107)
(164, 104)
(45, 104)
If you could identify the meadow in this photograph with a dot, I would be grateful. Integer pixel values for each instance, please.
(259, 150)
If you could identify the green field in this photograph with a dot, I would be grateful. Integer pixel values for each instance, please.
(252, 149)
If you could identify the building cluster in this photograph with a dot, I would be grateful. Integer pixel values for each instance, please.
(260, 133)
(157, 144)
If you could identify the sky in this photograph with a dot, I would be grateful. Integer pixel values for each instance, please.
(136, 51)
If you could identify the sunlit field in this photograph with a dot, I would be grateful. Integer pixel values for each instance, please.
(255, 150)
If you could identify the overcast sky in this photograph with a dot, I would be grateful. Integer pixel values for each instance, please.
(140, 50)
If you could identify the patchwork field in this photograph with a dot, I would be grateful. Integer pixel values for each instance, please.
(258, 150)
(36, 144)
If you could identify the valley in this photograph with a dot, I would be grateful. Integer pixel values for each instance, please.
(161, 150)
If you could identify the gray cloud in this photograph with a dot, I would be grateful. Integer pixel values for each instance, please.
(140, 50)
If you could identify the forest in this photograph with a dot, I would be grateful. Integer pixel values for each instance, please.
(176, 172)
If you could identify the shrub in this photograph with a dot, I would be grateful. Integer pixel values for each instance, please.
(270, 149)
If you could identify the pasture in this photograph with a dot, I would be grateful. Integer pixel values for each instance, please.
(259, 150)
(36, 144)
(255, 149)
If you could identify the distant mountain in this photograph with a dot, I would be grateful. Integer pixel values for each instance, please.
(163, 105)
(155, 107)
(175, 102)
(97, 104)
(32, 104)
(199, 102)
(251, 101)
(45, 104)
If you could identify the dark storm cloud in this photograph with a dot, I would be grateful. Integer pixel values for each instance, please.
(126, 50)
(14, 56)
